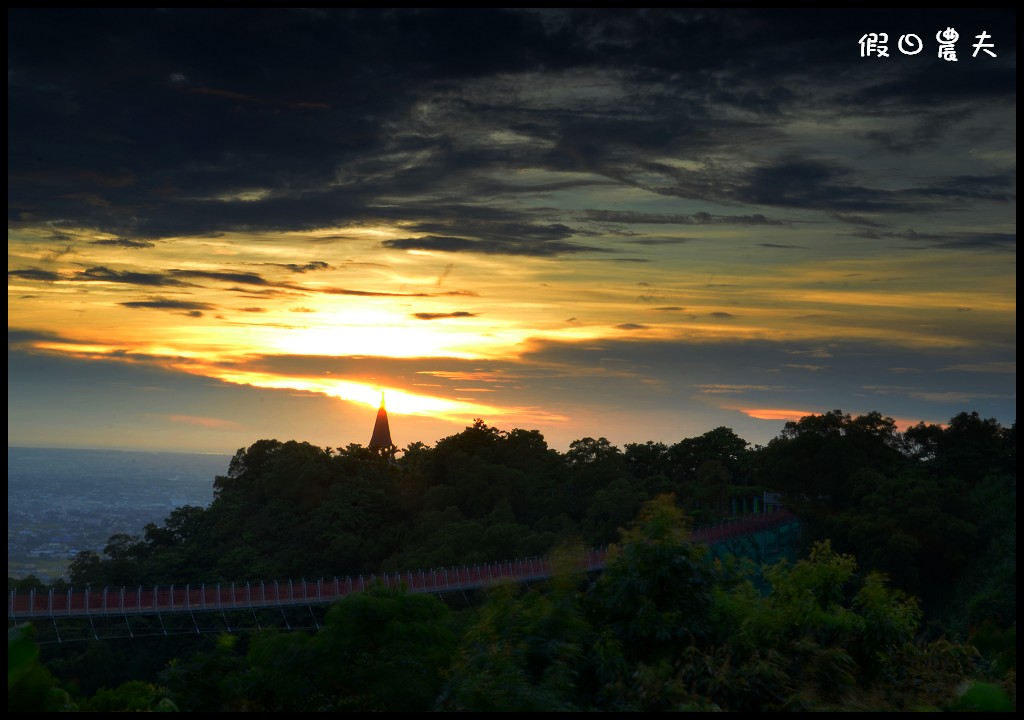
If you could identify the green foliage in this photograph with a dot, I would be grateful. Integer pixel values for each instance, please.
(826, 636)
(667, 626)
(890, 620)
(720, 445)
(998, 644)
(523, 652)
(813, 459)
(133, 696)
(85, 568)
(208, 680)
(972, 447)
(385, 651)
(30, 686)
(281, 674)
(379, 651)
(30, 583)
(648, 459)
(611, 509)
(983, 697)
(651, 602)
(933, 508)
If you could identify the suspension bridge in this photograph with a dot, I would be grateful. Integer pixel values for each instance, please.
(192, 599)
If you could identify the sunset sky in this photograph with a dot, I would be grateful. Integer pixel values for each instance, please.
(229, 225)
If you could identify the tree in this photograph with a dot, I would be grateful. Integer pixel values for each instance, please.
(612, 509)
(820, 639)
(593, 465)
(813, 460)
(721, 444)
(651, 603)
(132, 696)
(648, 459)
(245, 467)
(380, 651)
(30, 686)
(212, 680)
(971, 447)
(523, 650)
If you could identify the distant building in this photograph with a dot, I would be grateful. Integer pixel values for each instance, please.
(380, 442)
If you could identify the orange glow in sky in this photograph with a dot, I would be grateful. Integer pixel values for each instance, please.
(582, 242)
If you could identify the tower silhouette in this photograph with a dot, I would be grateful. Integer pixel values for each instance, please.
(380, 441)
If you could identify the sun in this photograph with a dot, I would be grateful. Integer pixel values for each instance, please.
(399, 401)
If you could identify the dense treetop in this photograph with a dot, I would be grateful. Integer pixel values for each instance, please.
(907, 538)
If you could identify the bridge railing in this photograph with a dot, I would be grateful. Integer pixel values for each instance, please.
(261, 594)
(227, 596)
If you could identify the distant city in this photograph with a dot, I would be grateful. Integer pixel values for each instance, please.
(62, 501)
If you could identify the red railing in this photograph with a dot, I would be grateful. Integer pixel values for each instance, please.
(252, 595)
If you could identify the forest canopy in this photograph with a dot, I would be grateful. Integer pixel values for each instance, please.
(908, 541)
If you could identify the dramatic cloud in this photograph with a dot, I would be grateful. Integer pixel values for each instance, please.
(439, 316)
(35, 274)
(308, 267)
(125, 243)
(106, 275)
(717, 199)
(700, 218)
(233, 277)
(194, 308)
(538, 248)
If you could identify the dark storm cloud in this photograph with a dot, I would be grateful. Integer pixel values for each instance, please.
(800, 182)
(700, 218)
(493, 232)
(439, 316)
(192, 309)
(35, 274)
(546, 248)
(925, 133)
(125, 243)
(779, 246)
(169, 279)
(266, 99)
(594, 145)
(236, 277)
(935, 84)
(828, 185)
(502, 230)
(21, 338)
(966, 241)
(155, 123)
(104, 274)
(659, 241)
(854, 219)
(969, 187)
(308, 267)
(372, 293)
(992, 241)
(904, 235)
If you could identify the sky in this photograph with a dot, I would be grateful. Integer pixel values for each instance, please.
(637, 224)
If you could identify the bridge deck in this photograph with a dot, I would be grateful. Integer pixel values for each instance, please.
(254, 595)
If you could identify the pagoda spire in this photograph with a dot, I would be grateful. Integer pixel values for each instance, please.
(380, 441)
